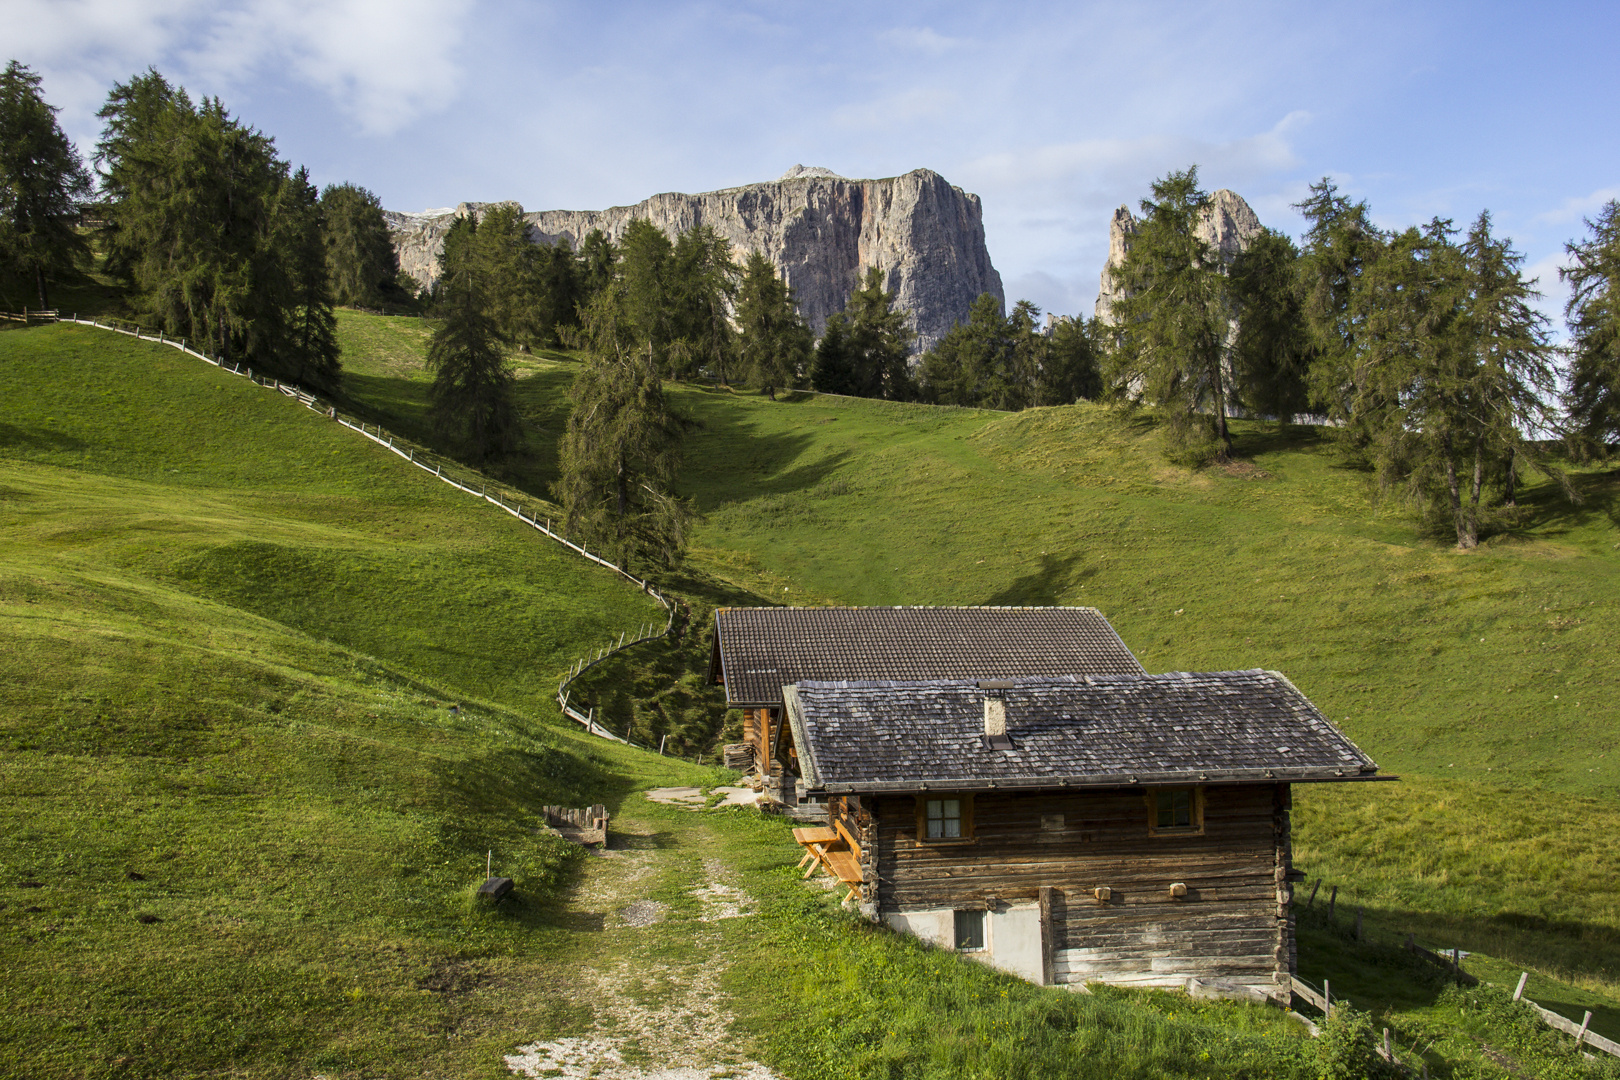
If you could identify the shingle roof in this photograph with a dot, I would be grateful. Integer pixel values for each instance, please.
(760, 650)
(1110, 730)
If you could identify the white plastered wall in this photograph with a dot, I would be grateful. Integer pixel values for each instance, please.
(1012, 936)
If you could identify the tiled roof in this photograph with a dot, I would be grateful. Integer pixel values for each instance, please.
(760, 650)
(1108, 730)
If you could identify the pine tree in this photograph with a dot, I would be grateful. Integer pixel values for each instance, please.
(1593, 313)
(619, 455)
(300, 246)
(1171, 323)
(360, 256)
(1271, 352)
(969, 365)
(472, 382)
(42, 182)
(774, 342)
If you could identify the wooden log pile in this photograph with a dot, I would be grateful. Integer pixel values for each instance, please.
(739, 756)
(587, 825)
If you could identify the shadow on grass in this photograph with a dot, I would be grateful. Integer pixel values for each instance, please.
(38, 439)
(1045, 586)
(1385, 973)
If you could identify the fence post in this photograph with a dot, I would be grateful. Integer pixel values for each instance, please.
(1582, 1036)
(1518, 991)
(1333, 902)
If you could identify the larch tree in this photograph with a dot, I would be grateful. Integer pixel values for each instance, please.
(1171, 322)
(360, 256)
(42, 182)
(472, 381)
(1592, 398)
(705, 289)
(619, 455)
(774, 344)
(214, 232)
(1452, 367)
(864, 349)
(1271, 352)
(1072, 368)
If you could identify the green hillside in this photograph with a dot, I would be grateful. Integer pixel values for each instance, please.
(239, 827)
(1486, 680)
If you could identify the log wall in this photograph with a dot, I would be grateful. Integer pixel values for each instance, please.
(1233, 922)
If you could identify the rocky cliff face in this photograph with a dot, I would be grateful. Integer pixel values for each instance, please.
(1228, 226)
(820, 230)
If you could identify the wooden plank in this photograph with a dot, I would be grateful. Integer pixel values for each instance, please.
(844, 867)
(854, 844)
(1304, 990)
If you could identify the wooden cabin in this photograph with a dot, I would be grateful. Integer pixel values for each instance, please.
(1129, 829)
(758, 651)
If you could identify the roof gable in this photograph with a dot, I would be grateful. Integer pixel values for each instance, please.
(758, 651)
(1228, 726)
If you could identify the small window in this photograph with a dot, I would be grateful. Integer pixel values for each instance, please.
(944, 819)
(1176, 810)
(969, 931)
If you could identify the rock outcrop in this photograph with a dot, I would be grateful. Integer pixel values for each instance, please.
(1229, 225)
(820, 230)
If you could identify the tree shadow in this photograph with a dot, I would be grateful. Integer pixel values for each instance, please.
(41, 440)
(1044, 587)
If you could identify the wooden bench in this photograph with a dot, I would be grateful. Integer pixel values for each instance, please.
(816, 841)
(845, 867)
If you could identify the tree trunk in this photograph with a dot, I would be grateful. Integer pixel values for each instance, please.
(1453, 489)
(39, 282)
(1471, 537)
(1510, 492)
(623, 483)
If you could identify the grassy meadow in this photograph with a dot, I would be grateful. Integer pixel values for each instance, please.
(240, 827)
(1486, 680)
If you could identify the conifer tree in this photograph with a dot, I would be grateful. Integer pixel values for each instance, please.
(1071, 370)
(1340, 243)
(1271, 352)
(42, 181)
(1593, 313)
(705, 287)
(647, 273)
(774, 343)
(214, 232)
(619, 455)
(864, 349)
(1171, 323)
(472, 382)
(1452, 366)
(360, 256)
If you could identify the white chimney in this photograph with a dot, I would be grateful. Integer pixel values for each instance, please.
(995, 714)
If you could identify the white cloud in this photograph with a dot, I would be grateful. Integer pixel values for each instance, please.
(382, 62)
(922, 39)
(1578, 207)
(898, 110)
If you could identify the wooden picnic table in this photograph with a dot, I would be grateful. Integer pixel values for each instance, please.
(831, 848)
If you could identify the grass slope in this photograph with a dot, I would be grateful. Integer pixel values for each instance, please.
(239, 827)
(1486, 679)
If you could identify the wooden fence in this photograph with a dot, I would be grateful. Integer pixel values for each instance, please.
(1451, 961)
(470, 482)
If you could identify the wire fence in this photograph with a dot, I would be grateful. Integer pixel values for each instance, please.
(440, 468)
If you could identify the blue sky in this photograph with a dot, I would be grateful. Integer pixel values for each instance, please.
(1053, 113)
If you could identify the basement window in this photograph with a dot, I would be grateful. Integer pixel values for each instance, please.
(969, 931)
